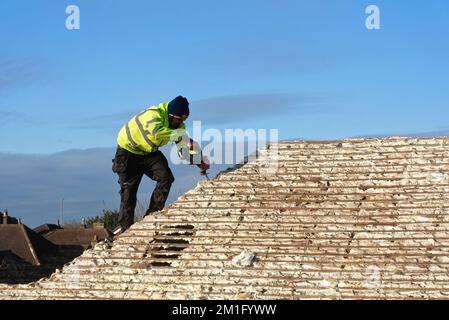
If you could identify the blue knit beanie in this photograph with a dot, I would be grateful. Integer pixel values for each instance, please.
(179, 106)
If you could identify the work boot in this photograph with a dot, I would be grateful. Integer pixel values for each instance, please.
(149, 212)
(119, 230)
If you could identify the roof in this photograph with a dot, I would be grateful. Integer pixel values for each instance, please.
(76, 236)
(360, 218)
(6, 256)
(45, 228)
(24, 243)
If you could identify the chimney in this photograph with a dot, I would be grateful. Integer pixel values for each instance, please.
(5, 217)
(83, 223)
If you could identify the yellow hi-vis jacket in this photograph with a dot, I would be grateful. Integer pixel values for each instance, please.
(149, 130)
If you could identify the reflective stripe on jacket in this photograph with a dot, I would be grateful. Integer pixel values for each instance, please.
(148, 131)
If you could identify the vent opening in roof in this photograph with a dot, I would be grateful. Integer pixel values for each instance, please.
(167, 244)
(178, 226)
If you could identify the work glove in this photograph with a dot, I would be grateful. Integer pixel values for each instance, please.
(187, 148)
(192, 151)
(204, 166)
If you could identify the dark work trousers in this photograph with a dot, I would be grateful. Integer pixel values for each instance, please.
(130, 169)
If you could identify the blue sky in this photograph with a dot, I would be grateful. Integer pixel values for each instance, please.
(321, 72)
(308, 68)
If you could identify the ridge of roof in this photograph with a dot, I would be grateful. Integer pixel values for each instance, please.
(37, 262)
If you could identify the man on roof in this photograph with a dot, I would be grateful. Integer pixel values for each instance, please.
(138, 154)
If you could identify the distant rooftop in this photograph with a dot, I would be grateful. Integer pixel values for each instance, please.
(77, 236)
(46, 228)
(27, 255)
(6, 219)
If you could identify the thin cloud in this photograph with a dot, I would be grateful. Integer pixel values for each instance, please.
(425, 134)
(240, 108)
(10, 117)
(19, 72)
(106, 122)
(32, 186)
(6, 114)
(223, 110)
